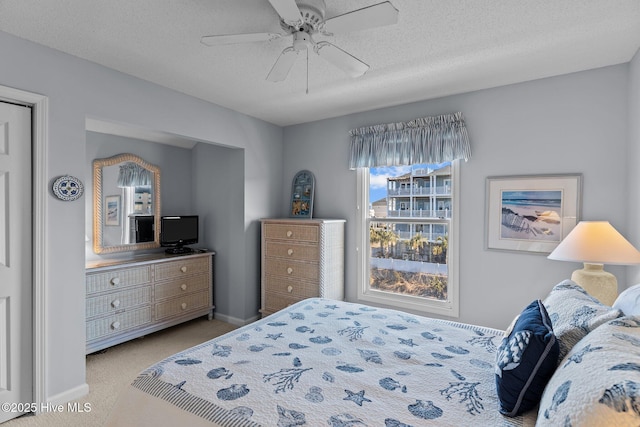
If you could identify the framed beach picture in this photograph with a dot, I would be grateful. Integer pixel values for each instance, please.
(112, 210)
(531, 213)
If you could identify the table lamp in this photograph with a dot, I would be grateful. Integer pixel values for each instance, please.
(596, 243)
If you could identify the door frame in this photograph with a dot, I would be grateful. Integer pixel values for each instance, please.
(39, 122)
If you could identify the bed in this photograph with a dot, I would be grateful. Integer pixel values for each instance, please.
(326, 362)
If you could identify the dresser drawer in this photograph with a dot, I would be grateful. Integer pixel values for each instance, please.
(300, 259)
(117, 323)
(182, 286)
(291, 251)
(113, 302)
(291, 287)
(181, 305)
(118, 279)
(294, 232)
(181, 268)
(275, 302)
(130, 297)
(291, 268)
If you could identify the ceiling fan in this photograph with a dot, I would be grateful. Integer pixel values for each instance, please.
(302, 19)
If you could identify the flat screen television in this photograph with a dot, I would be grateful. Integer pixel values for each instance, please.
(178, 231)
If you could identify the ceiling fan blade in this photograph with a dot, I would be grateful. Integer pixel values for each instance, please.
(288, 11)
(341, 59)
(377, 15)
(281, 68)
(238, 38)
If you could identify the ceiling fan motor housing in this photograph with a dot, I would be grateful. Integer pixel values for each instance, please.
(312, 12)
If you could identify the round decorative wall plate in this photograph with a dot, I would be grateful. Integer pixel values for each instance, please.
(68, 188)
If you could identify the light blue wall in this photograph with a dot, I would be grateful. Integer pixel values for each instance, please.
(175, 173)
(218, 182)
(575, 123)
(77, 90)
(208, 181)
(633, 160)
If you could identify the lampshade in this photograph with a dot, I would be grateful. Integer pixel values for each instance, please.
(596, 243)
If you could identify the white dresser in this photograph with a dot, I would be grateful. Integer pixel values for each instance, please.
(301, 258)
(130, 298)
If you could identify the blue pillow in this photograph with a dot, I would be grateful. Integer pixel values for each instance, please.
(526, 359)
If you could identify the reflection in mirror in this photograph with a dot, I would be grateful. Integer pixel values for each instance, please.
(126, 204)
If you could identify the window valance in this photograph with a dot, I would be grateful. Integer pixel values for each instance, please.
(133, 175)
(430, 140)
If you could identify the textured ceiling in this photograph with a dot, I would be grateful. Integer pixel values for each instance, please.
(437, 48)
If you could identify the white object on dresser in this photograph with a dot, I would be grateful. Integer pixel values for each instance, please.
(130, 298)
(301, 258)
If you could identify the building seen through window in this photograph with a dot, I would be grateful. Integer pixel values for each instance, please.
(409, 219)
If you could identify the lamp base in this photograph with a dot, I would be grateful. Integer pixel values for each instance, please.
(598, 283)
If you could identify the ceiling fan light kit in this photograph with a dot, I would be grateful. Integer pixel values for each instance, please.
(301, 19)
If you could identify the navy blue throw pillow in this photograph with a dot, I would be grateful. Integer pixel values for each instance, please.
(525, 361)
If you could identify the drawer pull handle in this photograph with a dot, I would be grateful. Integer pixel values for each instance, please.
(115, 281)
(289, 233)
(289, 288)
(183, 286)
(183, 268)
(115, 303)
(289, 270)
(290, 252)
(115, 325)
(183, 305)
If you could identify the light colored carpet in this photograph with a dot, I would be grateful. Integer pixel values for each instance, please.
(109, 372)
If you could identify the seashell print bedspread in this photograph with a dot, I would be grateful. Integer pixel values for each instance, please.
(325, 362)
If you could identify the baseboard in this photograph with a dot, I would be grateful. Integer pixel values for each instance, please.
(234, 320)
(69, 395)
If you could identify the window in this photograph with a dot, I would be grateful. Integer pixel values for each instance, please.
(408, 255)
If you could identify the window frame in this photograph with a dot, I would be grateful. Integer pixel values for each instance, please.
(448, 308)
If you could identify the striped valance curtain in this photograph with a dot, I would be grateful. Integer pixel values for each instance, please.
(133, 175)
(429, 140)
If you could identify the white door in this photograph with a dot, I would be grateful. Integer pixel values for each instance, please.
(16, 347)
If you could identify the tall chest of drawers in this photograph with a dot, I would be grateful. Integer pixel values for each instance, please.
(127, 299)
(301, 258)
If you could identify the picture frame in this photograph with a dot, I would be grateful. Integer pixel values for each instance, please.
(531, 213)
(302, 192)
(112, 210)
